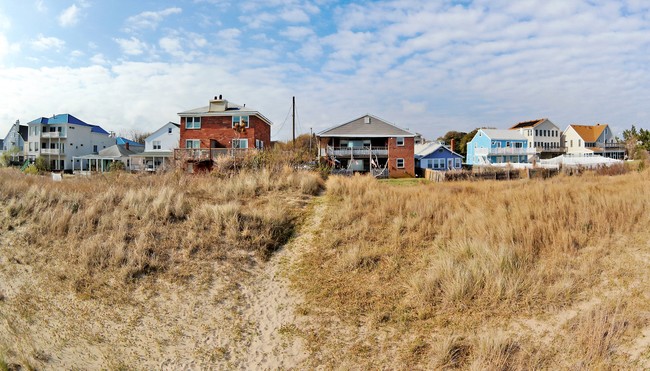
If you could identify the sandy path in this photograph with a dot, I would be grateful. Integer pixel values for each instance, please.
(272, 305)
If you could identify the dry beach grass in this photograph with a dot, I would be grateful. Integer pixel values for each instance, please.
(253, 271)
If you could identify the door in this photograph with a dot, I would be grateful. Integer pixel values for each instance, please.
(450, 164)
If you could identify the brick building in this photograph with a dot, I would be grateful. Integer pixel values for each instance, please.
(369, 144)
(218, 129)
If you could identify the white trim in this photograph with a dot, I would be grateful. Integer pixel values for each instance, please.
(397, 163)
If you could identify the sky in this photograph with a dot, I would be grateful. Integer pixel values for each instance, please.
(427, 66)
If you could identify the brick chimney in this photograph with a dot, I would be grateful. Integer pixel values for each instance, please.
(218, 104)
(451, 144)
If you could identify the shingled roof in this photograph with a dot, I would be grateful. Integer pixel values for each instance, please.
(589, 133)
(528, 124)
(366, 126)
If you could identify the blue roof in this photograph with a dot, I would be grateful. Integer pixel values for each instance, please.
(67, 118)
(123, 141)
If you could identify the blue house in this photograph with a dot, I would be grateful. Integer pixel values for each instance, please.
(436, 156)
(490, 146)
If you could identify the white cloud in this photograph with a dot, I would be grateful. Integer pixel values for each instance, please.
(149, 19)
(77, 53)
(70, 16)
(171, 45)
(132, 46)
(98, 59)
(297, 33)
(43, 43)
(40, 6)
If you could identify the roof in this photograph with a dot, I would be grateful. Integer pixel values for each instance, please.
(119, 150)
(589, 133)
(23, 130)
(232, 110)
(358, 128)
(423, 150)
(66, 118)
(122, 141)
(528, 124)
(496, 134)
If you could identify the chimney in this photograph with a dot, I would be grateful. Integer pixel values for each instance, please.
(451, 144)
(218, 104)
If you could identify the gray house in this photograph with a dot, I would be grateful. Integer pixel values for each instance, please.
(15, 140)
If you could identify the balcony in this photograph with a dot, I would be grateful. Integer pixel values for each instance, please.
(504, 151)
(357, 151)
(51, 151)
(611, 146)
(209, 154)
(551, 150)
(53, 134)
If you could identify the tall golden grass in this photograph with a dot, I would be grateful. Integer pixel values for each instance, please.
(431, 258)
(110, 232)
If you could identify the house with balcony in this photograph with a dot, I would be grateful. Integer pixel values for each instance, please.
(158, 149)
(14, 142)
(436, 156)
(492, 146)
(369, 144)
(590, 140)
(61, 137)
(221, 128)
(543, 135)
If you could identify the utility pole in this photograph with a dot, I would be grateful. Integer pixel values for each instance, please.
(310, 135)
(293, 107)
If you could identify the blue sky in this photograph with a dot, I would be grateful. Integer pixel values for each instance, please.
(429, 66)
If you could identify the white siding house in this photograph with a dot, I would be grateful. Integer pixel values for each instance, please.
(15, 142)
(158, 149)
(62, 137)
(543, 135)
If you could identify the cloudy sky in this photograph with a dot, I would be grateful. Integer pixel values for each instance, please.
(430, 66)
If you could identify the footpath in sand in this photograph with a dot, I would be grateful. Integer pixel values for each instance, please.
(242, 320)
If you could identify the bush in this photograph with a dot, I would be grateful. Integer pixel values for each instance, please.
(41, 164)
(116, 166)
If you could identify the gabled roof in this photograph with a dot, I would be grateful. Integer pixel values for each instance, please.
(66, 118)
(528, 124)
(496, 134)
(23, 130)
(159, 129)
(232, 110)
(423, 150)
(123, 141)
(589, 133)
(358, 128)
(119, 150)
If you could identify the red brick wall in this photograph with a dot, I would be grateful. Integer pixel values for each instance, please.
(406, 152)
(219, 128)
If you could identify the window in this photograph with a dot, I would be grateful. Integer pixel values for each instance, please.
(240, 143)
(399, 142)
(95, 148)
(536, 132)
(457, 163)
(169, 130)
(507, 144)
(259, 144)
(579, 142)
(238, 121)
(519, 145)
(156, 144)
(430, 164)
(192, 123)
(400, 163)
(192, 143)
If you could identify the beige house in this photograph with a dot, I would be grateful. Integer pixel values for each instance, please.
(589, 140)
(543, 135)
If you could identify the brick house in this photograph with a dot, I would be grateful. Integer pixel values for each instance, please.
(220, 128)
(369, 144)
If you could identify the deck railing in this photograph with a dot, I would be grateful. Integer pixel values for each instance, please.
(51, 151)
(504, 151)
(357, 151)
(208, 154)
(53, 134)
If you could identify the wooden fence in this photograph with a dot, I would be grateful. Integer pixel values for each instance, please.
(505, 174)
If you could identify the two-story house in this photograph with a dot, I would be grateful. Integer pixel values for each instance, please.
(220, 128)
(369, 144)
(14, 142)
(158, 149)
(589, 140)
(492, 146)
(61, 137)
(543, 135)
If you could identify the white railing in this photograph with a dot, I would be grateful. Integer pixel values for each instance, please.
(504, 151)
(53, 134)
(360, 151)
(51, 151)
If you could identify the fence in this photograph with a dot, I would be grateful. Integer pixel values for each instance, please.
(505, 174)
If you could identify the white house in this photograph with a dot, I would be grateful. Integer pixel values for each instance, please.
(15, 140)
(543, 135)
(61, 137)
(101, 162)
(589, 140)
(158, 149)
